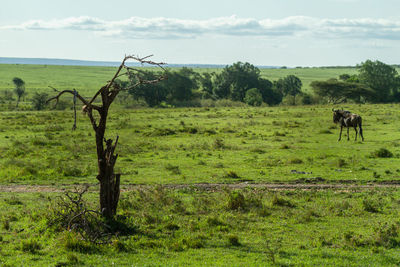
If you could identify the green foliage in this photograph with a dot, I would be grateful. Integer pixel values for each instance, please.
(177, 88)
(382, 153)
(338, 91)
(236, 201)
(233, 240)
(39, 101)
(19, 88)
(291, 85)
(31, 246)
(381, 78)
(387, 235)
(235, 82)
(372, 205)
(253, 97)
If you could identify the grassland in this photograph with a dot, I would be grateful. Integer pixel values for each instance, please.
(192, 225)
(198, 145)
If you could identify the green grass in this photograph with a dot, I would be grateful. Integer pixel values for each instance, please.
(192, 226)
(197, 145)
(188, 227)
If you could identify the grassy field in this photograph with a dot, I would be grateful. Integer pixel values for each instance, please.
(196, 145)
(162, 223)
(189, 227)
(38, 78)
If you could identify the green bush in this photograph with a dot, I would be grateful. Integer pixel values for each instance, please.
(233, 240)
(387, 235)
(382, 153)
(31, 246)
(236, 201)
(253, 97)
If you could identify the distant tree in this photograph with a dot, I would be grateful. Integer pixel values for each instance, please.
(19, 89)
(180, 84)
(152, 93)
(306, 99)
(381, 78)
(178, 87)
(253, 97)
(270, 94)
(235, 80)
(39, 101)
(338, 91)
(291, 85)
(206, 83)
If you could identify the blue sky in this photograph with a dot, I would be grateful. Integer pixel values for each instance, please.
(284, 32)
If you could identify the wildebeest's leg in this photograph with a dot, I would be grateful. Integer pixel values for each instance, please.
(361, 131)
(355, 129)
(340, 135)
(348, 135)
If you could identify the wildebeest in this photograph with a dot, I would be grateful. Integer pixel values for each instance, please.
(347, 119)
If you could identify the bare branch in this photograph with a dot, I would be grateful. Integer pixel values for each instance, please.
(60, 93)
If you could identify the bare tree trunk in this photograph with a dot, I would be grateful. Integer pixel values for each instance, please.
(109, 181)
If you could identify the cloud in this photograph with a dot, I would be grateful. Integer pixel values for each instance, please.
(171, 28)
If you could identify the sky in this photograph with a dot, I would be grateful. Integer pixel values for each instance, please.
(262, 32)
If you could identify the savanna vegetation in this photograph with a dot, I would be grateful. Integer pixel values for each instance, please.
(369, 82)
(194, 227)
(221, 141)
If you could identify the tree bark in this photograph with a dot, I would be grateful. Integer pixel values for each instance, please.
(109, 181)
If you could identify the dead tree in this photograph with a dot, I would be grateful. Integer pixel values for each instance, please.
(106, 157)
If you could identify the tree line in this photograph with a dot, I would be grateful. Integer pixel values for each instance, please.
(375, 82)
(240, 82)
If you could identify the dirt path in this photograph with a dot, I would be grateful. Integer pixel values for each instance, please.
(208, 186)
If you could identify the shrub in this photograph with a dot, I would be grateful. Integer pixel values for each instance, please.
(13, 200)
(72, 243)
(31, 246)
(233, 240)
(382, 153)
(163, 132)
(371, 205)
(387, 235)
(231, 174)
(341, 163)
(295, 161)
(173, 169)
(39, 101)
(280, 201)
(253, 97)
(236, 201)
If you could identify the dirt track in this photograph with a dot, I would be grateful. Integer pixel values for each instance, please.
(211, 187)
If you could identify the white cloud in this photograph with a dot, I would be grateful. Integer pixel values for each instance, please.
(161, 28)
